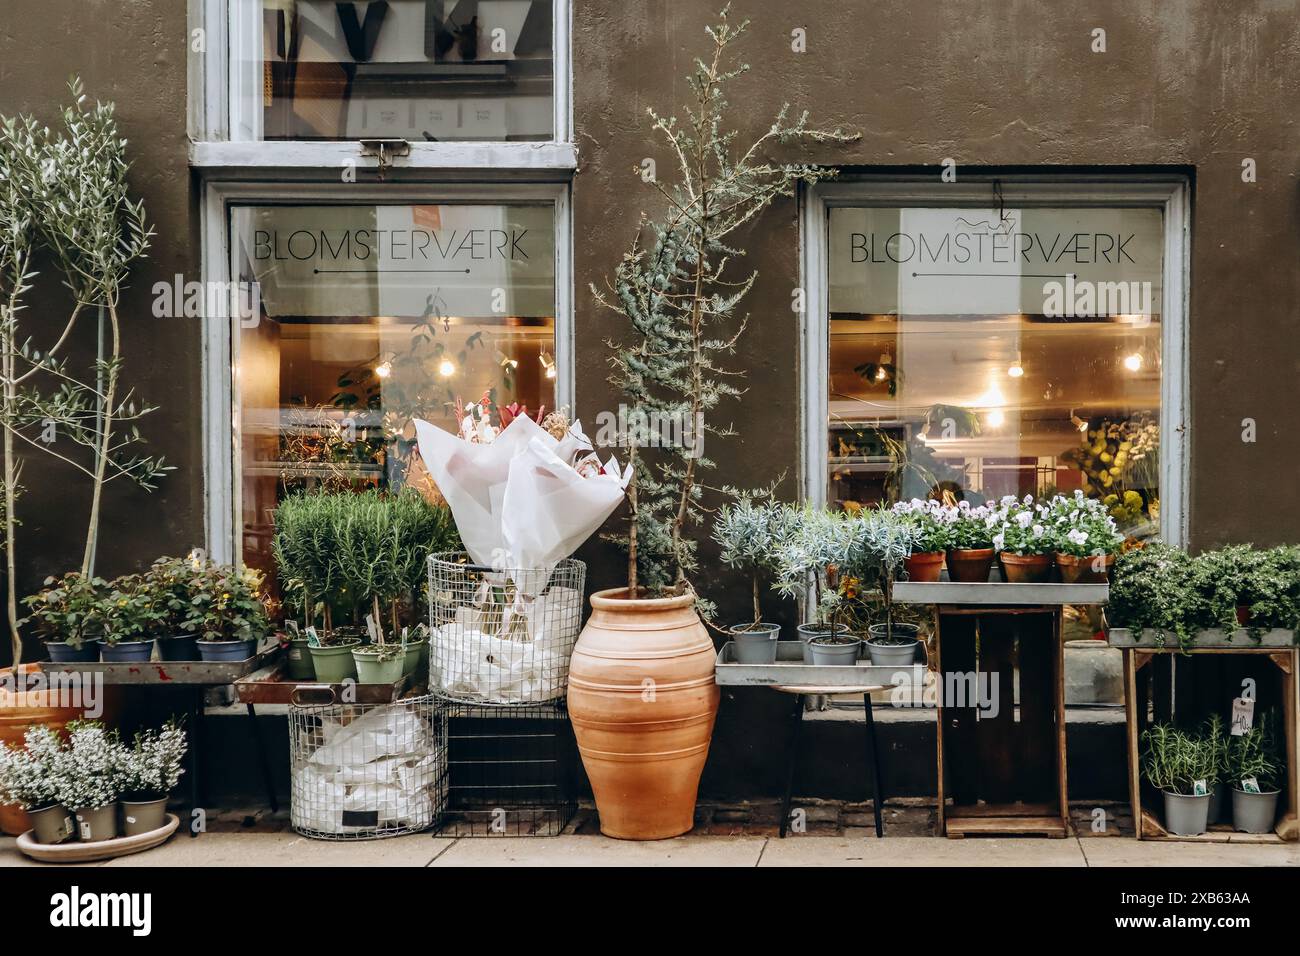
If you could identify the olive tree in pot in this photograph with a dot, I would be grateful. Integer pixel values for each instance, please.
(148, 771)
(68, 613)
(751, 536)
(87, 779)
(890, 537)
(678, 290)
(27, 779)
(1256, 768)
(1184, 768)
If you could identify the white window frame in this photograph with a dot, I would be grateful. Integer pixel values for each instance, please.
(221, 412)
(1169, 193)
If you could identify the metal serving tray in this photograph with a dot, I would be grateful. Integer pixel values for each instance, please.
(209, 673)
(998, 594)
(1154, 638)
(790, 671)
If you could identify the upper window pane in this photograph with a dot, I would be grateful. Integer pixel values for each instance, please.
(419, 70)
(977, 353)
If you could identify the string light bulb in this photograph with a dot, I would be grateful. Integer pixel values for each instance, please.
(447, 368)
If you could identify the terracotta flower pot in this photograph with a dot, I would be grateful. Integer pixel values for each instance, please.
(970, 565)
(642, 699)
(924, 566)
(1094, 569)
(1026, 568)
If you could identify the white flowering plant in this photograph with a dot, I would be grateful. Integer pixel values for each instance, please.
(151, 767)
(1080, 526)
(972, 528)
(87, 772)
(1023, 527)
(26, 773)
(931, 523)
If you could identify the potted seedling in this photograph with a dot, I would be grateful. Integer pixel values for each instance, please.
(970, 543)
(931, 523)
(27, 779)
(1085, 538)
(1023, 541)
(86, 776)
(889, 538)
(1256, 774)
(69, 616)
(750, 535)
(1183, 767)
(148, 770)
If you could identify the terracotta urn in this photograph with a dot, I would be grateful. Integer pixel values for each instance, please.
(924, 566)
(1094, 569)
(970, 565)
(642, 699)
(1026, 568)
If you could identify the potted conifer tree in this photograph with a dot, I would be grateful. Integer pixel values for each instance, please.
(678, 291)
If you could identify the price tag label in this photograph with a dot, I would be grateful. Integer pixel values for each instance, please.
(1200, 788)
(1250, 784)
(1243, 716)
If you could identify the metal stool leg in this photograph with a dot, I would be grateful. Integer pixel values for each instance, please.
(792, 759)
(874, 755)
(263, 758)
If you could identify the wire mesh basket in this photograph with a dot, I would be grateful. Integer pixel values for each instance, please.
(366, 771)
(511, 771)
(502, 635)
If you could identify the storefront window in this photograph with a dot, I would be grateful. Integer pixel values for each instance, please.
(975, 353)
(419, 70)
(368, 316)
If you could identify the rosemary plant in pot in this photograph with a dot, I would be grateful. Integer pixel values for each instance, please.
(1256, 769)
(1183, 767)
(27, 780)
(889, 538)
(678, 290)
(750, 536)
(148, 771)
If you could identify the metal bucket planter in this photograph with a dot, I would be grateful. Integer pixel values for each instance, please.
(142, 816)
(333, 663)
(178, 647)
(64, 653)
(887, 652)
(97, 824)
(52, 824)
(297, 661)
(835, 649)
(371, 670)
(1254, 812)
(755, 643)
(1186, 815)
(227, 651)
(123, 651)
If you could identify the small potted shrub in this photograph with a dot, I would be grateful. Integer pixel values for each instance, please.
(173, 583)
(1256, 770)
(1085, 538)
(131, 620)
(1023, 540)
(148, 771)
(27, 779)
(1183, 767)
(380, 662)
(69, 616)
(86, 774)
(931, 522)
(888, 540)
(815, 553)
(750, 536)
(970, 543)
(228, 616)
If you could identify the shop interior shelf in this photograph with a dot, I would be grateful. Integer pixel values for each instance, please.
(999, 594)
(790, 671)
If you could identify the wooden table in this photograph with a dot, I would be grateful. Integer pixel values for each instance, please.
(1005, 776)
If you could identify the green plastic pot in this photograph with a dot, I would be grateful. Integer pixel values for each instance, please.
(298, 661)
(334, 664)
(371, 670)
(414, 652)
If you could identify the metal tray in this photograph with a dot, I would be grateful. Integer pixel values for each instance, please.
(999, 594)
(270, 685)
(1210, 637)
(210, 673)
(790, 671)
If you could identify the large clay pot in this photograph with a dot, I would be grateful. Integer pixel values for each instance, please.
(643, 699)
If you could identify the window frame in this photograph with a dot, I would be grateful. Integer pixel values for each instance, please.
(1168, 192)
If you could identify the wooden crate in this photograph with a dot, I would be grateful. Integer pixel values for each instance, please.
(1163, 684)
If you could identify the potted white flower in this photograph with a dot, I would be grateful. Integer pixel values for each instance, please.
(148, 771)
(750, 535)
(27, 779)
(932, 523)
(1023, 540)
(86, 775)
(1085, 538)
(970, 542)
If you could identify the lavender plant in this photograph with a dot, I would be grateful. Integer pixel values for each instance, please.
(679, 291)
